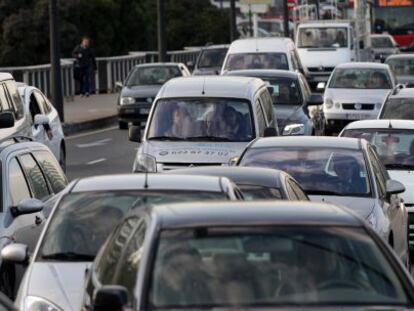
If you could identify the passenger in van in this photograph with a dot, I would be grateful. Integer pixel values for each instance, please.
(181, 125)
(236, 62)
(215, 122)
(234, 123)
(256, 63)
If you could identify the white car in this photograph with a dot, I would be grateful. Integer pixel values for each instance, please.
(355, 91)
(198, 121)
(383, 45)
(394, 142)
(44, 119)
(399, 104)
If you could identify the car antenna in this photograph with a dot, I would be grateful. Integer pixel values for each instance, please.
(204, 85)
(389, 124)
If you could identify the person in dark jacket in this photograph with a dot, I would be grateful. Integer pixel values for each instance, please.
(85, 63)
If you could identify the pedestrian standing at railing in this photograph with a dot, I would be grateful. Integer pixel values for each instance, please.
(85, 65)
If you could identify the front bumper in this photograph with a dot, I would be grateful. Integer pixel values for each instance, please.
(134, 113)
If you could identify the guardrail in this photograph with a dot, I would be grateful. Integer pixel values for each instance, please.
(109, 71)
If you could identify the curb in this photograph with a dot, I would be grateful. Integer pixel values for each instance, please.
(77, 127)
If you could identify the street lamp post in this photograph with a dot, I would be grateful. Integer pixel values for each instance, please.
(56, 80)
(232, 20)
(162, 55)
(286, 18)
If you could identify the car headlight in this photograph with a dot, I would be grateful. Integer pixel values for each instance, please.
(294, 129)
(329, 103)
(32, 303)
(127, 101)
(144, 163)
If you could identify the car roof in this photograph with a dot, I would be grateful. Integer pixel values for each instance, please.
(363, 65)
(308, 141)
(321, 23)
(156, 65)
(215, 46)
(263, 73)
(381, 124)
(401, 56)
(5, 76)
(217, 86)
(258, 45)
(257, 213)
(11, 145)
(149, 182)
(405, 92)
(259, 176)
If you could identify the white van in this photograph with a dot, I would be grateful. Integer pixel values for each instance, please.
(262, 53)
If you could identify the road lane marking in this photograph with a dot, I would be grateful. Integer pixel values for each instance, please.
(91, 133)
(95, 143)
(96, 161)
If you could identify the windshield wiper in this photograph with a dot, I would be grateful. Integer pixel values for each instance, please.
(69, 256)
(399, 166)
(165, 138)
(323, 192)
(210, 138)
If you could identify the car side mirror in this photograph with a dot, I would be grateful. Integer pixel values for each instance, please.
(110, 298)
(41, 119)
(394, 187)
(270, 89)
(6, 120)
(321, 86)
(315, 100)
(27, 206)
(15, 253)
(190, 65)
(118, 85)
(134, 133)
(234, 160)
(270, 132)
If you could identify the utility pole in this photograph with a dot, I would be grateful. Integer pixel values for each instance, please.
(162, 55)
(56, 80)
(286, 18)
(251, 20)
(233, 20)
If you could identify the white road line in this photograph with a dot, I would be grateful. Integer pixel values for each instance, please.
(95, 143)
(91, 133)
(96, 161)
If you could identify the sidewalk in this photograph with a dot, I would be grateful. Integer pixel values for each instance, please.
(87, 113)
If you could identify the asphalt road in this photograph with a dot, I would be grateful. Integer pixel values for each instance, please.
(106, 151)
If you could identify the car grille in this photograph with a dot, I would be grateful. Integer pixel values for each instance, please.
(143, 100)
(320, 69)
(363, 106)
(174, 166)
(410, 226)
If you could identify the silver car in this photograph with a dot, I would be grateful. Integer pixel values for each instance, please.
(81, 221)
(355, 91)
(383, 45)
(402, 66)
(345, 171)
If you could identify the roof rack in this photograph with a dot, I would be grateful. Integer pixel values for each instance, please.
(16, 139)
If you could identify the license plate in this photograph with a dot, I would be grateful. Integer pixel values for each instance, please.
(144, 111)
(356, 116)
(129, 110)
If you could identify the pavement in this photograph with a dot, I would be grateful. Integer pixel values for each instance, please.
(89, 113)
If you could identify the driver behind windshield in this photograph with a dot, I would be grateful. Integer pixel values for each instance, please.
(348, 171)
(235, 127)
(378, 81)
(340, 39)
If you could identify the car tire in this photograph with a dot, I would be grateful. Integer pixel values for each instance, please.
(7, 280)
(123, 125)
(62, 158)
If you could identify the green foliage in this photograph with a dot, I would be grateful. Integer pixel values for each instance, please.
(115, 27)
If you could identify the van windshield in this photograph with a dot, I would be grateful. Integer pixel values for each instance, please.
(326, 37)
(202, 119)
(241, 61)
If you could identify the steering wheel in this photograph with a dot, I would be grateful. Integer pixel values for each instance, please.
(341, 283)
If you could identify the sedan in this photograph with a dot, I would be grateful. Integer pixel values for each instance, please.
(256, 183)
(271, 256)
(298, 111)
(346, 171)
(402, 66)
(140, 89)
(82, 220)
(383, 45)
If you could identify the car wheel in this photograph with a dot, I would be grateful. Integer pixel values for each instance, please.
(7, 280)
(123, 125)
(62, 158)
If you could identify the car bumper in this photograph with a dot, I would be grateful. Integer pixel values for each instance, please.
(134, 113)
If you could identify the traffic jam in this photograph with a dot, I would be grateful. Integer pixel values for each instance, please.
(271, 173)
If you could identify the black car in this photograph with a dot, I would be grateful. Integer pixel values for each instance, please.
(210, 60)
(246, 255)
(298, 111)
(255, 183)
(140, 89)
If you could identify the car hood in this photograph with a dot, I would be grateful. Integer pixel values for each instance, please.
(140, 91)
(60, 283)
(359, 96)
(207, 71)
(361, 206)
(288, 113)
(407, 179)
(192, 152)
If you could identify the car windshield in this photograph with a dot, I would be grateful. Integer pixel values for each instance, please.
(395, 147)
(402, 66)
(398, 108)
(325, 37)
(212, 58)
(286, 91)
(381, 42)
(257, 61)
(247, 267)
(203, 119)
(254, 192)
(154, 75)
(360, 78)
(83, 221)
(324, 171)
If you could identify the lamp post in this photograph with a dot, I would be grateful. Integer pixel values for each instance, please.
(162, 55)
(232, 20)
